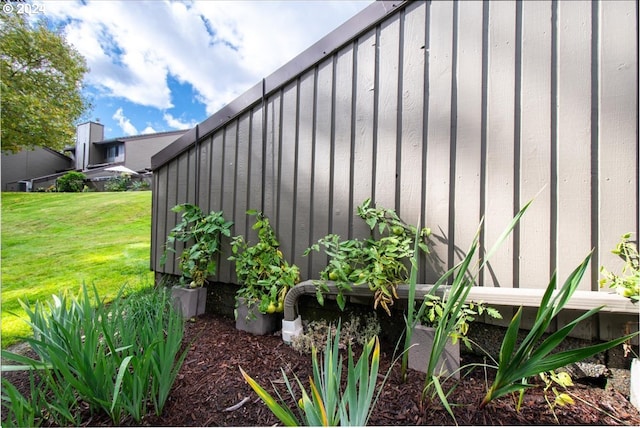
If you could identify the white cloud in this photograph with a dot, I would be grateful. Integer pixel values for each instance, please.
(221, 48)
(148, 130)
(124, 123)
(178, 123)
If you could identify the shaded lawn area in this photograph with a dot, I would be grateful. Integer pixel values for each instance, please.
(58, 241)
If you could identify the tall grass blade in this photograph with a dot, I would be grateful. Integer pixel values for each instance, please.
(443, 398)
(282, 413)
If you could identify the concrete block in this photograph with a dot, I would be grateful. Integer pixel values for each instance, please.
(420, 351)
(255, 322)
(190, 302)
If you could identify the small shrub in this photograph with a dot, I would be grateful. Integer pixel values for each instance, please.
(119, 183)
(72, 181)
(139, 185)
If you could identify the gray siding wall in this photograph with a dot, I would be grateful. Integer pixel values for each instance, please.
(138, 151)
(449, 112)
(27, 164)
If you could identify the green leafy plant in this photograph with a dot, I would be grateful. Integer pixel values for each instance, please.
(327, 404)
(90, 353)
(202, 234)
(378, 261)
(533, 355)
(263, 273)
(72, 181)
(628, 283)
(434, 311)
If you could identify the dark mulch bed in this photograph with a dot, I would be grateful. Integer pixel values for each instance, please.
(210, 382)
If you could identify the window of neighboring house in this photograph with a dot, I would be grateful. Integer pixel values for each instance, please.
(115, 153)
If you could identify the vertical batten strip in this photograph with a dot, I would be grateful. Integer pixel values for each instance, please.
(332, 142)
(453, 135)
(517, 144)
(352, 135)
(595, 155)
(553, 206)
(428, 264)
(484, 131)
(296, 167)
(399, 113)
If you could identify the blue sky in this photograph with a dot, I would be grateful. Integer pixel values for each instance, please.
(164, 65)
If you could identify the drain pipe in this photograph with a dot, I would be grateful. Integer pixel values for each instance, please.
(292, 323)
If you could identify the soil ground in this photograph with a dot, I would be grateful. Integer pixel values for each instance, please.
(210, 383)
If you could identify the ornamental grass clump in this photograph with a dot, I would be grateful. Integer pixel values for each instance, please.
(326, 403)
(120, 359)
(534, 354)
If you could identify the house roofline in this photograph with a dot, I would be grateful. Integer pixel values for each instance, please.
(55, 152)
(140, 137)
(325, 47)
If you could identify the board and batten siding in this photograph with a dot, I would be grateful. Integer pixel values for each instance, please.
(448, 112)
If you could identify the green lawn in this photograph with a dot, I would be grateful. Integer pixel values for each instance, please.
(57, 241)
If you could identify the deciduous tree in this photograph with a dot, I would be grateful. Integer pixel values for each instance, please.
(41, 85)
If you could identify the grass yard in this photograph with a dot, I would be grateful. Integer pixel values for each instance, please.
(58, 241)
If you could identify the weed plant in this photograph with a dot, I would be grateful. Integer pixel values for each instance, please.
(356, 330)
(119, 359)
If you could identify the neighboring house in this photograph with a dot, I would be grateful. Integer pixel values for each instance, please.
(39, 168)
(19, 168)
(134, 152)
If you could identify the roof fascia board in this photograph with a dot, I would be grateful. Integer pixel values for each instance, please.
(333, 41)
